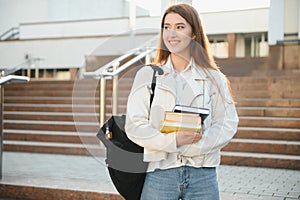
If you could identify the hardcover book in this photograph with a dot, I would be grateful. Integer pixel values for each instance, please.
(203, 112)
(175, 121)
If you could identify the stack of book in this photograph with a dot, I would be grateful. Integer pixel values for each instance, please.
(183, 118)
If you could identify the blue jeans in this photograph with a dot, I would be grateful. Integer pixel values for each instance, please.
(185, 183)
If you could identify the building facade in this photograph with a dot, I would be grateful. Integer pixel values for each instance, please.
(62, 36)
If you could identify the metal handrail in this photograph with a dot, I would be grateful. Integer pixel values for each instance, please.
(12, 32)
(106, 67)
(29, 61)
(13, 79)
(8, 71)
(113, 69)
(129, 63)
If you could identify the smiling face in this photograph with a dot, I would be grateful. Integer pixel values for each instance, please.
(177, 34)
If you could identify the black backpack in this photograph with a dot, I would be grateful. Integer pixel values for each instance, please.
(124, 158)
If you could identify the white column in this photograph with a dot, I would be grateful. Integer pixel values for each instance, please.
(291, 18)
(276, 21)
(299, 20)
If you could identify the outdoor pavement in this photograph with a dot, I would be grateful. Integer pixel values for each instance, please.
(87, 173)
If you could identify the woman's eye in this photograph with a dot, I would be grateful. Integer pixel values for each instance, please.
(180, 27)
(166, 27)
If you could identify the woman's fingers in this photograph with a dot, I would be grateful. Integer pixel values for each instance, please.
(183, 138)
(197, 137)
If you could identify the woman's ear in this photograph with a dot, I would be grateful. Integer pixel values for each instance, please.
(194, 36)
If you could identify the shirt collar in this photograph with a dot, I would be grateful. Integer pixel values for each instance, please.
(171, 67)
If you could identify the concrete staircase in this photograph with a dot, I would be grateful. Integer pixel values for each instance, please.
(62, 117)
(38, 117)
(269, 127)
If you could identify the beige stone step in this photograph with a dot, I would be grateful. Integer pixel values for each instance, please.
(60, 100)
(59, 108)
(275, 122)
(54, 147)
(28, 191)
(267, 94)
(275, 87)
(269, 111)
(285, 134)
(51, 116)
(260, 159)
(263, 146)
(52, 125)
(51, 136)
(63, 93)
(265, 79)
(51, 108)
(266, 102)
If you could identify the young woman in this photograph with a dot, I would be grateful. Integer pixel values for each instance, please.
(182, 165)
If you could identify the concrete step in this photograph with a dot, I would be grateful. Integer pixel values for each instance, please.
(36, 111)
(81, 86)
(260, 159)
(285, 134)
(265, 87)
(52, 125)
(274, 122)
(62, 93)
(51, 136)
(267, 102)
(12, 108)
(58, 108)
(54, 148)
(51, 108)
(51, 116)
(90, 121)
(265, 80)
(48, 100)
(60, 100)
(267, 94)
(45, 93)
(263, 146)
(269, 111)
(24, 192)
(276, 72)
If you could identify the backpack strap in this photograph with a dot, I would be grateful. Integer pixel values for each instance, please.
(153, 83)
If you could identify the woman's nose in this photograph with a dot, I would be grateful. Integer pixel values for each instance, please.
(173, 32)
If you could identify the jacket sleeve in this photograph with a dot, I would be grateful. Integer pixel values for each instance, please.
(223, 125)
(137, 126)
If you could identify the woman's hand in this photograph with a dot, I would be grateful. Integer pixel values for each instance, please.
(185, 137)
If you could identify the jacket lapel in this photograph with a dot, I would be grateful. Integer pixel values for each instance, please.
(195, 86)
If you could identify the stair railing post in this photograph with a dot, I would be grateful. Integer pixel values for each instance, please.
(102, 100)
(29, 69)
(1, 128)
(115, 90)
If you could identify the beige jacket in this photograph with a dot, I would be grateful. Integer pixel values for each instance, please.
(142, 125)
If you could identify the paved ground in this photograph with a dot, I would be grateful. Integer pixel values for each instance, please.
(89, 174)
